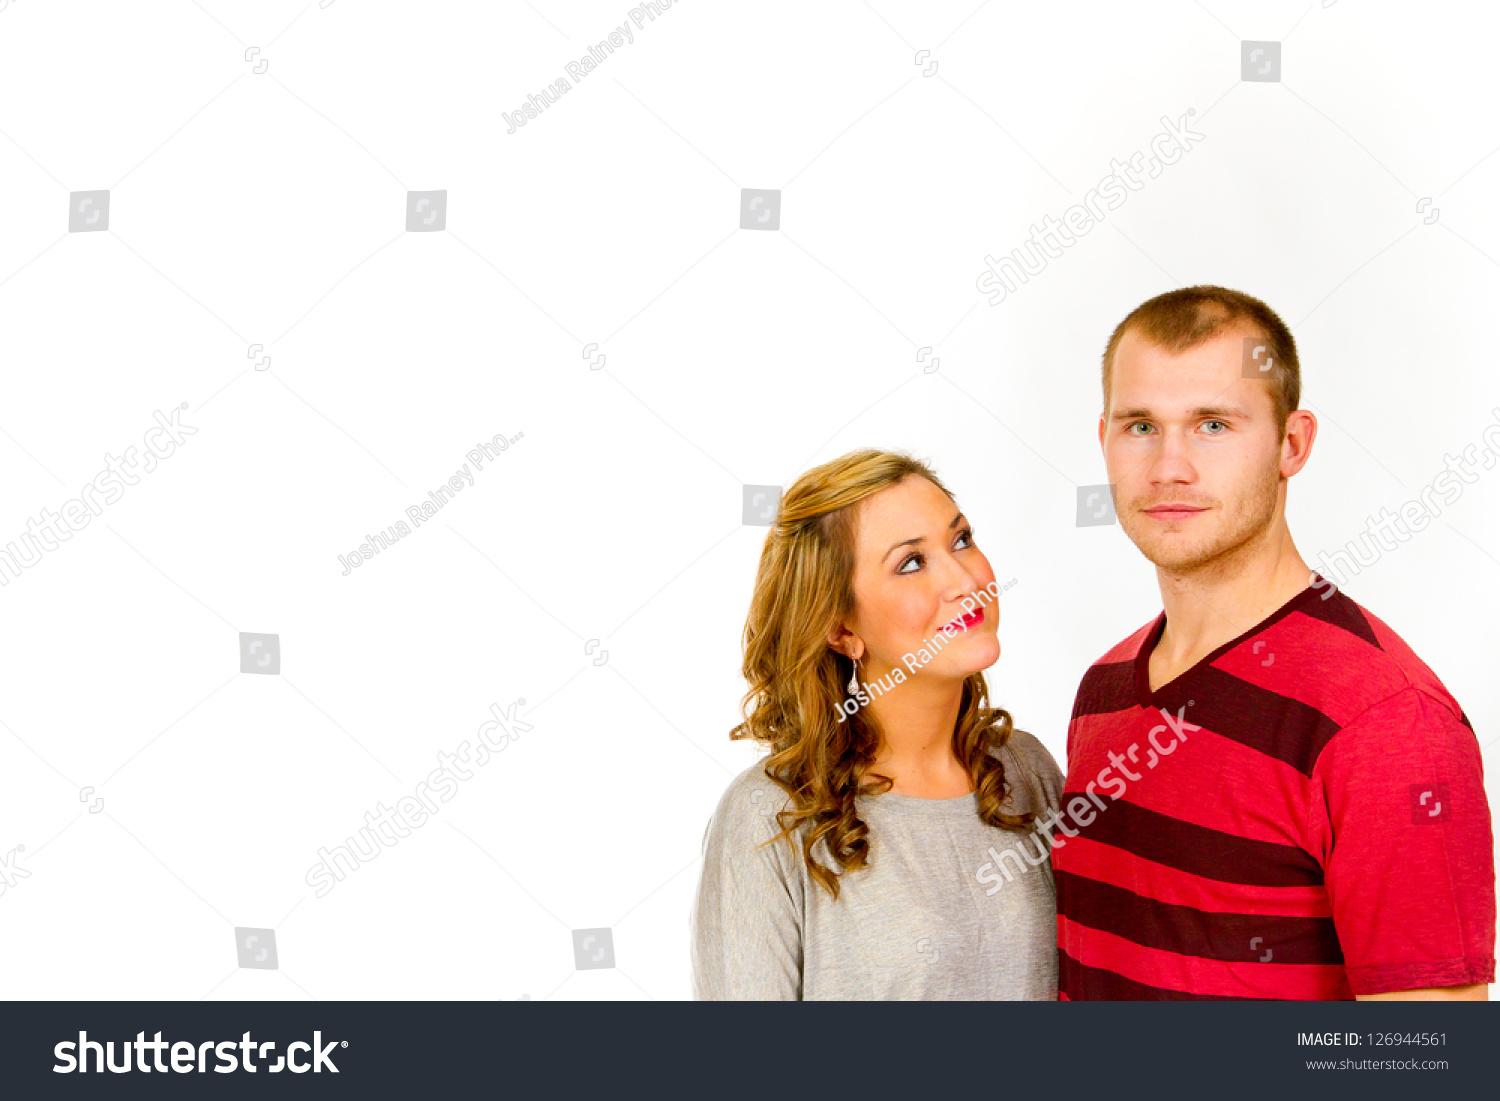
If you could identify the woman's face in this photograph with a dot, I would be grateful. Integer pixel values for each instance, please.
(915, 562)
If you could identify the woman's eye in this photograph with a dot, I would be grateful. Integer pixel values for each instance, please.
(965, 539)
(914, 560)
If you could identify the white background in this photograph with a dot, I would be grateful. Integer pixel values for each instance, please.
(269, 208)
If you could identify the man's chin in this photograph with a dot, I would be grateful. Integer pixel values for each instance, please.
(1176, 556)
(1179, 563)
(1206, 541)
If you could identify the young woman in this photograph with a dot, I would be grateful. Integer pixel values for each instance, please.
(887, 847)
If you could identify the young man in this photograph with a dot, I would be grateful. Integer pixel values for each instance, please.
(1295, 804)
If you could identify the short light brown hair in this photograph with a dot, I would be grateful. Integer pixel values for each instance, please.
(1188, 316)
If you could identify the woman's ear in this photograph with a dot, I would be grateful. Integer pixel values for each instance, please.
(846, 642)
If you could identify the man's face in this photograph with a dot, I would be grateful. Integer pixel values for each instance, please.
(1192, 449)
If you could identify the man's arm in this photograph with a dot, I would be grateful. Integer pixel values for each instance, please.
(1477, 992)
(1402, 825)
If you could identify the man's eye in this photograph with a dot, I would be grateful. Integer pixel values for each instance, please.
(1136, 424)
(1221, 424)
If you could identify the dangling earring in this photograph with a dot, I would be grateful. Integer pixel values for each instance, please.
(854, 678)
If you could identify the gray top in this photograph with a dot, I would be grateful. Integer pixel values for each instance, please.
(927, 918)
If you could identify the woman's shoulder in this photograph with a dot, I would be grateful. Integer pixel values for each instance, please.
(750, 802)
(1028, 752)
(751, 780)
(1028, 749)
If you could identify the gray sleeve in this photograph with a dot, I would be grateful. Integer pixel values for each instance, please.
(1040, 774)
(1038, 768)
(746, 922)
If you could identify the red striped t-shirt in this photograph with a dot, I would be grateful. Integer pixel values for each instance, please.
(1301, 815)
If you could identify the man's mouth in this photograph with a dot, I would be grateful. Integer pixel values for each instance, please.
(1174, 510)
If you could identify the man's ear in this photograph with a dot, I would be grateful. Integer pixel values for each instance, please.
(1296, 445)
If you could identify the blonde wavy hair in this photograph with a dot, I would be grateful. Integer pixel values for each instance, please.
(803, 589)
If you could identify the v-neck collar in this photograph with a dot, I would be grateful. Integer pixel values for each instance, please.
(1149, 699)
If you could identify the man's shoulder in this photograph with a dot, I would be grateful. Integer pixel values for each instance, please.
(1125, 651)
(1363, 662)
(1109, 682)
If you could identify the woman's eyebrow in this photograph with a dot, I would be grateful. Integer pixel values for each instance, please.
(953, 523)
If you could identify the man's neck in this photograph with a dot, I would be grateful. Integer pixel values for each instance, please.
(1221, 600)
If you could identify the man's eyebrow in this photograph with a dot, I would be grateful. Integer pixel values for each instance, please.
(953, 523)
(1201, 411)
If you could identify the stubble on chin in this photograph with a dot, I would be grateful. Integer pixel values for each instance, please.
(1238, 526)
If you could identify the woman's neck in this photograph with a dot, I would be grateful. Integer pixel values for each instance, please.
(916, 721)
